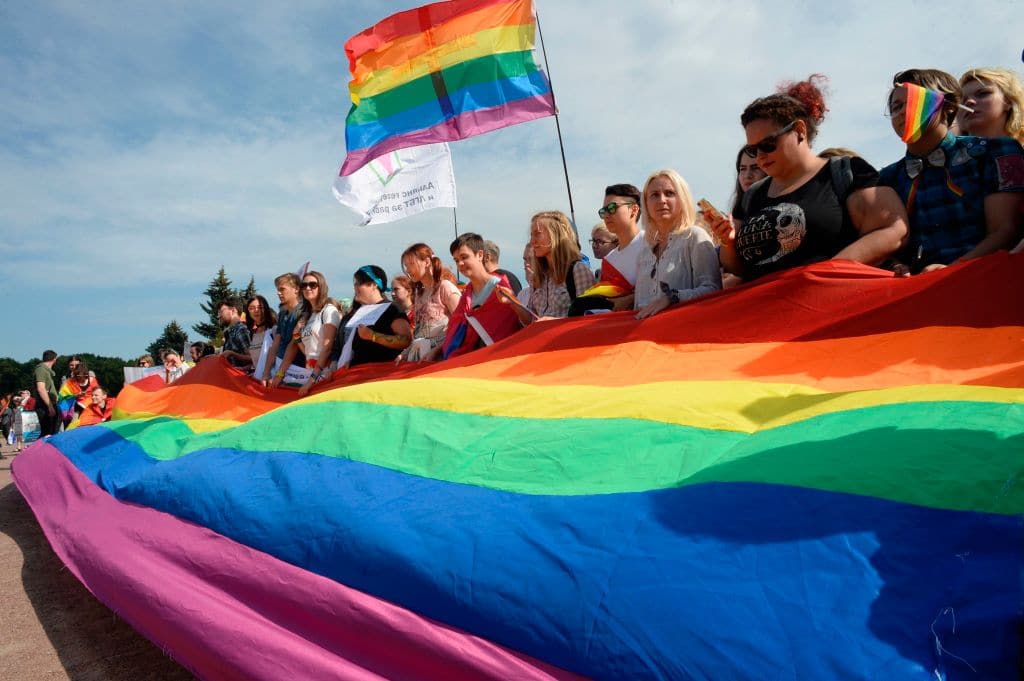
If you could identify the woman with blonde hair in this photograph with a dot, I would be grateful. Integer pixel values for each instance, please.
(679, 262)
(997, 99)
(559, 274)
(434, 298)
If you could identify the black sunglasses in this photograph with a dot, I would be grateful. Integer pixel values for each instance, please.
(612, 207)
(603, 242)
(768, 144)
(309, 284)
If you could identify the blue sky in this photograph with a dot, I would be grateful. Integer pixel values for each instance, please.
(144, 145)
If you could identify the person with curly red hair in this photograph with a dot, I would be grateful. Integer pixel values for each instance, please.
(808, 209)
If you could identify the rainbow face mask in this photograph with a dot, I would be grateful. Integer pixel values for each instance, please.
(922, 104)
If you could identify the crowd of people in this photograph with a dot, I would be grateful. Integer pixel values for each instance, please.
(957, 194)
(80, 401)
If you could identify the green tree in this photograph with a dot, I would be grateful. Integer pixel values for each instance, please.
(173, 337)
(217, 292)
(249, 291)
(15, 375)
(109, 371)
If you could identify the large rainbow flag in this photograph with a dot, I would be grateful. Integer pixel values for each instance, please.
(440, 73)
(819, 476)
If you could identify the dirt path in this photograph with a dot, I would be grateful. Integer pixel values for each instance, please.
(51, 627)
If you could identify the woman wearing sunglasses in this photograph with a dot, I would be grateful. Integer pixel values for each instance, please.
(678, 263)
(808, 208)
(315, 332)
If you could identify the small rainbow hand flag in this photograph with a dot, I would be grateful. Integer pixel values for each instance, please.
(922, 104)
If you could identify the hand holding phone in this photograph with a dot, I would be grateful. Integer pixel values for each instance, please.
(719, 225)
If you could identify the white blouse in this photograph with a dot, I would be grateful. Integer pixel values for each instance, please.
(688, 266)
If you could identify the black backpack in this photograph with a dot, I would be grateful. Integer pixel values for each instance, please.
(842, 180)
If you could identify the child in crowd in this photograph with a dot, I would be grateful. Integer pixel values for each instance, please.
(19, 424)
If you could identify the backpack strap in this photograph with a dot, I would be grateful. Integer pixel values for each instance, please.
(842, 176)
(842, 179)
(570, 280)
(749, 194)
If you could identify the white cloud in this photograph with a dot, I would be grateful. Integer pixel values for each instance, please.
(153, 143)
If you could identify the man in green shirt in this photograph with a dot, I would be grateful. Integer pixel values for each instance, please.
(46, 394)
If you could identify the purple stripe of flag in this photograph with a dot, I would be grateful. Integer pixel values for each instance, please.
(462, 126)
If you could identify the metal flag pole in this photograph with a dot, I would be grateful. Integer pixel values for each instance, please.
(558, 126)
(455, 218)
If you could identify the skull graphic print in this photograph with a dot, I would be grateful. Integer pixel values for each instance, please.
(772, 234)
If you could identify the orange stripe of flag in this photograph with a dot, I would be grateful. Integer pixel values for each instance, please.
(367, 56)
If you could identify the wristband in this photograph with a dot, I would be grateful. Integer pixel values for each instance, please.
(671, 294)
(279, 374)
(373, 336)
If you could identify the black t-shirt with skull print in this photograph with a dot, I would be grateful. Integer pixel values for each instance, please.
(807, 225)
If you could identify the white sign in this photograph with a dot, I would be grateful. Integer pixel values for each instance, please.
(365, 315)
(30, 430)
(399, 184)
(261, 363)
(294, 376)
(132, 374)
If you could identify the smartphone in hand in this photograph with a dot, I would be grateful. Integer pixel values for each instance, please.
(711, 214)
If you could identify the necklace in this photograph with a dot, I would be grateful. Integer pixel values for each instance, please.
(660, 246)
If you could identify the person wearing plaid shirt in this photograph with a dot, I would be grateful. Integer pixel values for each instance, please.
(236, 333)
(962, 194)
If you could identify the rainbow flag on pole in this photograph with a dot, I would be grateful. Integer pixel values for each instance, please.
(817, 477)
(922, 104)
(440, 73)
